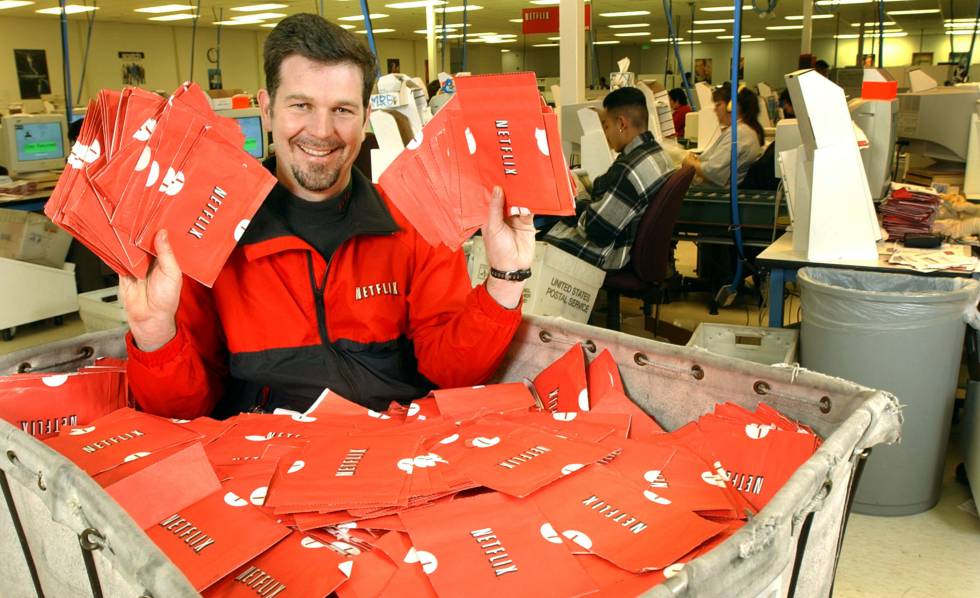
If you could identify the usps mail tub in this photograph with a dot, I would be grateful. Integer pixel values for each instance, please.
(560, 284)
(790, 548)
(101, 309)
(761, 345)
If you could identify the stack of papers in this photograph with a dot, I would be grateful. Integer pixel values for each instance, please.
(496, 130)
(141, 164)
(954, 258)
(41, 404)
(909, 211)
(560, 486)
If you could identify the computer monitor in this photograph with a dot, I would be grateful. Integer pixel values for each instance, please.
(250, 120)
(571, 127)
(877, 119)
(33, 143)
(936, 123)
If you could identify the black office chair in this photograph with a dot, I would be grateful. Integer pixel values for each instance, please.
(643, 276)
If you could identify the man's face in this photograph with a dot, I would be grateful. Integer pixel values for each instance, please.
(317, 122)
(721, 111)
(611, 125)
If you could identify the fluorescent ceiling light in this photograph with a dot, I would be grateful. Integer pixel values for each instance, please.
(744, 37)
(722, 30)
(632, 34)
(961, 25)
(690, 43)
(962, 21)
(871, 35)
(515, 21)
(728, 8)
(70, 9)
(498, 40)
(873, 24)
(361, 17)
(841, 2)
(504, 50)
(664, 39)
(470, 8)
(714, 21)
(553, 39)
(265, 16)
(345, 26)
(164, 8)
(178, 17)
(625, 13)
(628, 25)
(784, 27)
(962, 32)
(268, 25)
(545, 46)
(606, 42)
(15, 4)
(922, 11)
(416, 4)
(754, 39)
(376, 31)
(546, 2)
(258, 7)
(800, 17)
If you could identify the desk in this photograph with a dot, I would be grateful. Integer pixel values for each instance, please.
(31, 203)
(783, 262)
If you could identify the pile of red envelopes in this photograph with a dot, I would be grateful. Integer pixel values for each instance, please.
(557, 487)
(496, 130)
(909, 211)
(142, 163)
(41, 404)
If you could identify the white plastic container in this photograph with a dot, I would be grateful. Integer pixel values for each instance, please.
(761, 345)
(101, 309)
(32, 292)
(561, 284)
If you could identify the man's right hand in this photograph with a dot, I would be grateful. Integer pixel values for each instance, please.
(151, 303)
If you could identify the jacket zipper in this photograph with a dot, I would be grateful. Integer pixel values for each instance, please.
(321, 315)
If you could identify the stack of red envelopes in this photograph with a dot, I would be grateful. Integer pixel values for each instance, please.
(562, 487)
(141, 164)
(909, 211)
(40, 404)
(496, 130)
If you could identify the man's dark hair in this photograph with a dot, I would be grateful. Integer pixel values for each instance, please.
(315, 38)
(821, 64)
(677, 94)
(784, 98)
(631, 103)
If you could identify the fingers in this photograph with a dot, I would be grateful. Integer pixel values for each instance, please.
(166, 260)
(496, 217)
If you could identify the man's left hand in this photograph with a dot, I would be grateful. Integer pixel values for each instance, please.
(509, 244)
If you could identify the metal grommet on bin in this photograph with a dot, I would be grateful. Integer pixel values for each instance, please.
(25, 368)
(545, 336)
(589, 346)
(641, 359)
(760, 387)
(825, 405)
(91, 539)
(87, 352)
(40, 481)
(697, 372)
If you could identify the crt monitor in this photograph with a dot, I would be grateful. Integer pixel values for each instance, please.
(250, 120)
(936, 123)
(33, 143)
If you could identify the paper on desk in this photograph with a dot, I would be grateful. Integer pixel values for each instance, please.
(950, 257)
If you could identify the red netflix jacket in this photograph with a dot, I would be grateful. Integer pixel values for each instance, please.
(388, 318)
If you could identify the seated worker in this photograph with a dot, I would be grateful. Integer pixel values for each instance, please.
(680, 108)
(822, 67)
(604, 227)
(330, 286)
(786, 103)
(714, 164)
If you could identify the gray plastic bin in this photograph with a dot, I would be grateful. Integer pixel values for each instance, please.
(904, 334)
(790, 548)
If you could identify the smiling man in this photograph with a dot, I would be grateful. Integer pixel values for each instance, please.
(330, 286)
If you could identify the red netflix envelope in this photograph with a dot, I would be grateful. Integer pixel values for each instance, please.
(562, 385)
(372, 570)
(493, 545)
(131, 435)
(518, 460)
(642, 425)
(41, 405)
(603, 376)
(412, 567)
(612, 519)
(214, 536)
(297, 566)
(465, 403)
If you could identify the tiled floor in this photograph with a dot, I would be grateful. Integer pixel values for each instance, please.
(932, 554)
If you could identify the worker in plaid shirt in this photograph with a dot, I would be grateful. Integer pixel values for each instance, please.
(604, 227)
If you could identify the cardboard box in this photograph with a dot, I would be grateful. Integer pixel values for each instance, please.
(560, 284)
(31, 237)
(102, 310)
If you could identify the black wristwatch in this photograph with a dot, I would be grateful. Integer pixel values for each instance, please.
(512, 275)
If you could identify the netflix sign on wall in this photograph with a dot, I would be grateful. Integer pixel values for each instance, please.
(545, 19)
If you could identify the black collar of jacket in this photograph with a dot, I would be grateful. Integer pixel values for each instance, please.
(366, 215)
